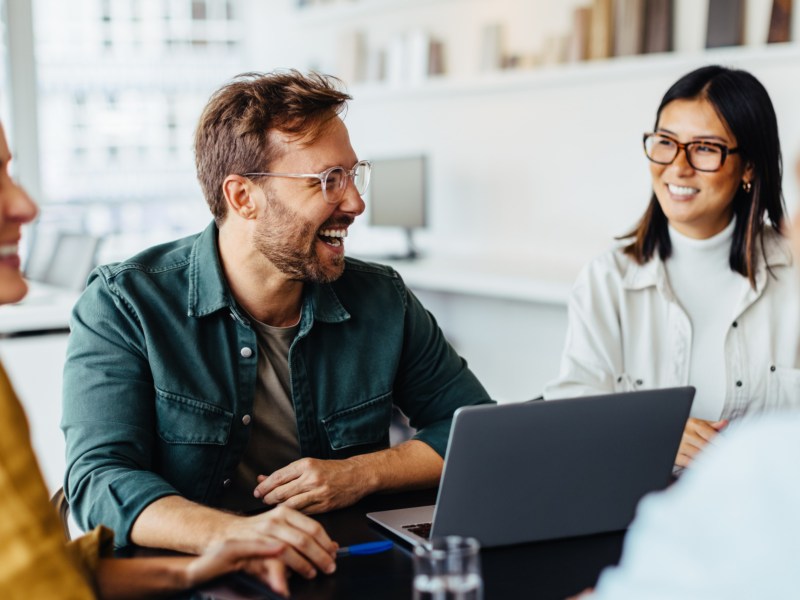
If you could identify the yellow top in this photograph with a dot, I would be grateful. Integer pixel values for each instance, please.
(35, 561)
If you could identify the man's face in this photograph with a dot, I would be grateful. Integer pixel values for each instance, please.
(300, 233)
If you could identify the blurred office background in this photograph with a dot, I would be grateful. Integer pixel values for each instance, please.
(528, 114)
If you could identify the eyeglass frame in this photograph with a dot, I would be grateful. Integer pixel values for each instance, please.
(350, 175)
(683, 146)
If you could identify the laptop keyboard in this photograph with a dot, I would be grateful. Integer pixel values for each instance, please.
(423, 530)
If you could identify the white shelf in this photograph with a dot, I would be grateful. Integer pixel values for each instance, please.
(621, 68)
(535, 280)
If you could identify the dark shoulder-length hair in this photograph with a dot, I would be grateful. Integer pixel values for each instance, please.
(745, 107)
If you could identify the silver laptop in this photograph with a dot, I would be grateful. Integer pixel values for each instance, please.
(535, 471)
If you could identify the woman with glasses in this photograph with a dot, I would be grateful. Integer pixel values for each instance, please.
(697, 293)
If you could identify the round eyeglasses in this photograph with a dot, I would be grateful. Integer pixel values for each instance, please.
(333, 181)
(701, 155)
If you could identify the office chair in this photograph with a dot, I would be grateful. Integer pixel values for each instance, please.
(72, 259)
(61, 504)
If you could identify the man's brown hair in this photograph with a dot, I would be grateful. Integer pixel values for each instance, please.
(232, 136)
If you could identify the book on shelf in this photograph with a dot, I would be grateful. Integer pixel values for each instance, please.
(600, 31)
(554, 51)
(579, 38)
(417, 56)
(725, 23)
(436, 58)
(411, 58)
(628, 27)
(351, 56)
(658, 16)
(780, 23)
(492, 46)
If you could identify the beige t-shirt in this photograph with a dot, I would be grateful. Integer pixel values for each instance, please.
(273, 442)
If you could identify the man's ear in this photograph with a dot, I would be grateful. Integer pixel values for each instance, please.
(237, 191)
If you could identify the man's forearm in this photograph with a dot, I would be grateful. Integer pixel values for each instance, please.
(407, 466)
(175, 523)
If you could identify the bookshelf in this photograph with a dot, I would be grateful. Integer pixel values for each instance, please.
(535, 36)
(618, 68)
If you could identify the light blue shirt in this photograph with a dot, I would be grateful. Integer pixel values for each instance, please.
(729, 528)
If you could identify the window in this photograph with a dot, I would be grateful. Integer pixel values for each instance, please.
(120, 86)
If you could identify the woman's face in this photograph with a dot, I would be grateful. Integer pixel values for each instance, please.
(16, 209)
(697, 203)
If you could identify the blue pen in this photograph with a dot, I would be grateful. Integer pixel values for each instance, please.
(364, 549)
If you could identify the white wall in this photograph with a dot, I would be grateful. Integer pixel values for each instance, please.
(34, 365)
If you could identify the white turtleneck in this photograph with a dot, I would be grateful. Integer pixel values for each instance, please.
(708, 289)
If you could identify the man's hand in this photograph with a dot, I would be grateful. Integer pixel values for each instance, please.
(314, 485)
(256, 557)
(307, 546)
(175, 523)
(696, 435)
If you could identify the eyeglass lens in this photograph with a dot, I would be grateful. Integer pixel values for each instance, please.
(336, 181)
(702, 156)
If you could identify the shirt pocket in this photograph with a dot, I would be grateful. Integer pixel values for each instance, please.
(360, 428)
(193, 437)
(783, 388)
(184, 420)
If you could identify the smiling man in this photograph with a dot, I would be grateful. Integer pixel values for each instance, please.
(253, 364)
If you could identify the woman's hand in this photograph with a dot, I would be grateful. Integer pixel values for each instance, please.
(128, 578)
(696, 435)
(259, 558)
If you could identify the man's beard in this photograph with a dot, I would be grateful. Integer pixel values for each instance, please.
(289, 242)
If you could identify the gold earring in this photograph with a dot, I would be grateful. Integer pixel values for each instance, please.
(747, 187)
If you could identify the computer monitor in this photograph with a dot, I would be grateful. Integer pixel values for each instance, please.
(398, 196)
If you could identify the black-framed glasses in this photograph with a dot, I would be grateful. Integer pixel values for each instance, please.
(333, 181)
(701, 155)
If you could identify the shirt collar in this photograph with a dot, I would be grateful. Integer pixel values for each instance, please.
(653, 273)
(209, 292)
(324, 303)
(639, 277)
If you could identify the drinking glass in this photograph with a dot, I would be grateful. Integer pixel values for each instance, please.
(448, 569)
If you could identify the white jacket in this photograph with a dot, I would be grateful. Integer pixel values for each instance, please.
(626, 331)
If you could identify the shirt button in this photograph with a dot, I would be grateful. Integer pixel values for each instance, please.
(226, 483)
(772, 368)
(738, 384)
(639, 382)
(246, 420)
(735, 323)
(246, 352)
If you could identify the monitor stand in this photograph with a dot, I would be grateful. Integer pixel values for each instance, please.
(411, 252)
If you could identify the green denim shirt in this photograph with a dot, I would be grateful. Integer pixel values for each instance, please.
(162, 365)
